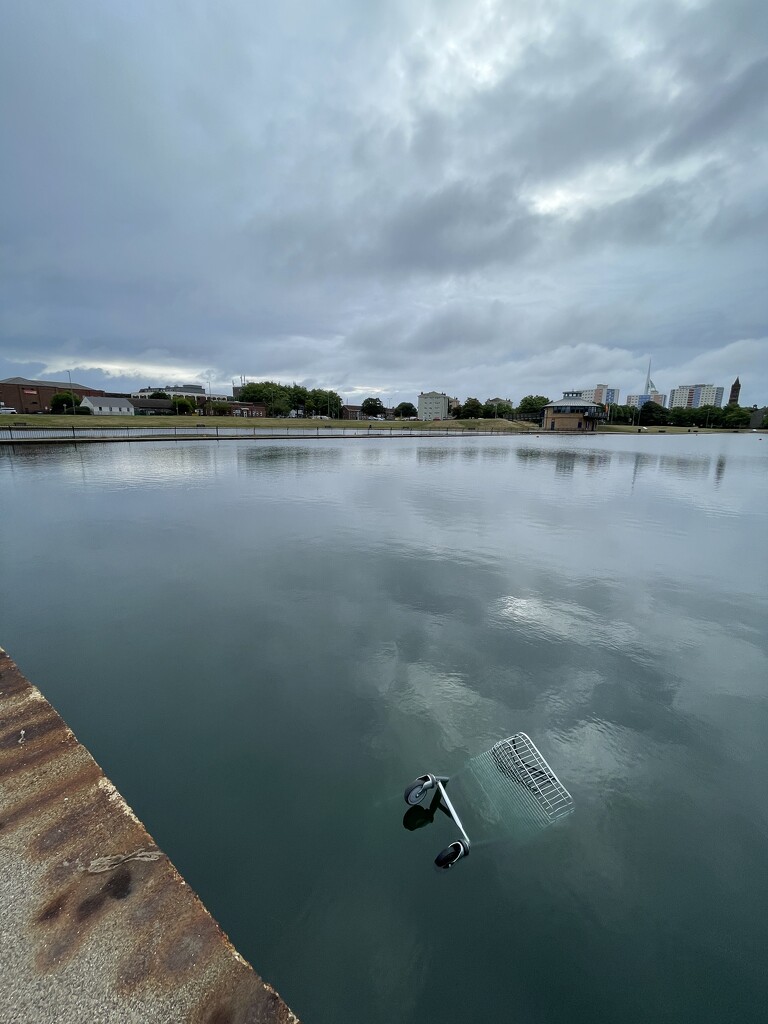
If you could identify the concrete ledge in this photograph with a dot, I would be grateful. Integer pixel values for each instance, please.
(95, 922)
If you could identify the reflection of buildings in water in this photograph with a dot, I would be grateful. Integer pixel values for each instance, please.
(309, 456)
(688, 466)
(639, 463)
(566, 460)
(428, 453)
(720, 467)
(497, 453)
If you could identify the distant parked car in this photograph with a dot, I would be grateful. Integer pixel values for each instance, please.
(7, 410)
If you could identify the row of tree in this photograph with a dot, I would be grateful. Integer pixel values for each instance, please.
(284, 399)
(473, 409)
(653, 415)
(287, 399)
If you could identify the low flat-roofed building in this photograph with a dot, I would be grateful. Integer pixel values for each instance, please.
(107, 405)
(152, 406)
(194, 392)
(248, 410)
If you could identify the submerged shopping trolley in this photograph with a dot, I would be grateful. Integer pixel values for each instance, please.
(510, 788)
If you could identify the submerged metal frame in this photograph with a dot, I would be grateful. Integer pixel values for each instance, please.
(520, 764)
(445, 799)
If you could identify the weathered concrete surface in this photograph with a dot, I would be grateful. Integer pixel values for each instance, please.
(96, 925)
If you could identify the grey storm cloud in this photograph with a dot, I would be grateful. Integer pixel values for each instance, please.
(385, 197)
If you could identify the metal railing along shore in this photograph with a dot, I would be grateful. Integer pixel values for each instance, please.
(11, 433)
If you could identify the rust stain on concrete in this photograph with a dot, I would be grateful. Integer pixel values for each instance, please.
(96, 921)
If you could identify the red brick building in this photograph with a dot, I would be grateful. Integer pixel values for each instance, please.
(31, 396)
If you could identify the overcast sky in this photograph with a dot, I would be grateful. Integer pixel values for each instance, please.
(484, 198)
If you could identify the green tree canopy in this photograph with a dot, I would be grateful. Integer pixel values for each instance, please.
(182, 406)
(65, 401)
(498, 410)
(652, 415)
(736, 416)
(372, 407)
(323, 403)
(264, 392)
(621, 413)
(298, 397)
(406, 410)
(472, 409)
(681, 417)
(710, 416)
(532, 406)
(159, 394)
(282, 399)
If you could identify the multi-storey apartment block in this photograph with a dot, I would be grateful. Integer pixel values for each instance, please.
(601, 394)
(693, 396)
(637, 401)
(433, 405)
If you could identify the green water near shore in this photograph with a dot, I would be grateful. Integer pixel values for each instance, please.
(263, 642)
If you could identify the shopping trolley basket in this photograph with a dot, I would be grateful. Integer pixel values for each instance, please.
(511, 787)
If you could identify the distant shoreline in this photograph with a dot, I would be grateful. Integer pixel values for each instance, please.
(62, 429)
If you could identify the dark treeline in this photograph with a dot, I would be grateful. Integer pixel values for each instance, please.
(653, 415)
(284, 399)
(473, 409)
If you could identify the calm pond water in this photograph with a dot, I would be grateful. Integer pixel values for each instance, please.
(263, 642)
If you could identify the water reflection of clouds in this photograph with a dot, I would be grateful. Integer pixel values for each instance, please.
(462, 717)
(575, 623)
(126, 465)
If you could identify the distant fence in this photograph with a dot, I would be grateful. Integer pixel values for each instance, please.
(203, 431)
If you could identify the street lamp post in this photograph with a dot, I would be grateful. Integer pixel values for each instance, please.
(71, 392)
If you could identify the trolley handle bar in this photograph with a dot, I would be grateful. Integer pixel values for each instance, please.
(452, 810)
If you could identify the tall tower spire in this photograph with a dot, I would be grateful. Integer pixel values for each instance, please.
(733, 398)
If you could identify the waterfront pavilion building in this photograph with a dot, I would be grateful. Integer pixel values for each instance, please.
(572, 413)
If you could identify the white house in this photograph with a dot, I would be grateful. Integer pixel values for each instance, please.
(107, 405)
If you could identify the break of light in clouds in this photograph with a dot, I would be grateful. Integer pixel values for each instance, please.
(479, 197)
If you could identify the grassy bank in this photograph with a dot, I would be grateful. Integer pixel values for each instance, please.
(206, 423)
(624, 428)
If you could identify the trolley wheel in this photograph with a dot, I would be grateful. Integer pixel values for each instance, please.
(416, 792)
(448, 857)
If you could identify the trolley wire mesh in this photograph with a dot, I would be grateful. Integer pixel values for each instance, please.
(513, 789)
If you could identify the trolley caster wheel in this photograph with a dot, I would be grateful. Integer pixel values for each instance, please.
(418, 789)
(448, 857)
